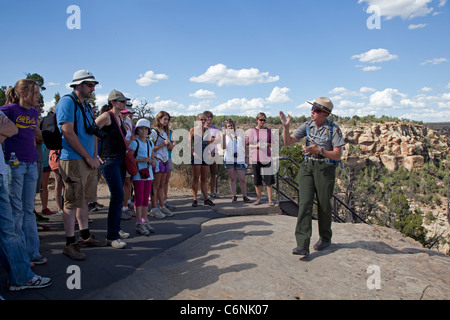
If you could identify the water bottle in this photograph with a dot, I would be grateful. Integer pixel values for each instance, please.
(13, 161)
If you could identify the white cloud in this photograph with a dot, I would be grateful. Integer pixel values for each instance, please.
(279, 95)
(241, 106)
(434, 61)
(448, 85)
(442, 3)
(370, 68)
(375, 56)
(203, 94)
(417, 26)
(222, 76)
(367, 90)
(53, 83)
(406, 9)
(150, 77)
(426, 89)
(386, 98)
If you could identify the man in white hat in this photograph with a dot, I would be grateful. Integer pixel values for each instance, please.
(322, 153)
(78, 162)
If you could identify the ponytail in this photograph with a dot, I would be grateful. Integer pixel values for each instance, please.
(23, 87)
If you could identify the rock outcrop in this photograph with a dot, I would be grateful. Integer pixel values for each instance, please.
(392, 145)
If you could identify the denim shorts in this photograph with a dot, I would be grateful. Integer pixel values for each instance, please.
(237, 166)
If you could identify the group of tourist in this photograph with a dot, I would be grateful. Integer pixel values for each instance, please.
(100, 144)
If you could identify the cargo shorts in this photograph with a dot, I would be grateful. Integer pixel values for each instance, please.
(80, 183)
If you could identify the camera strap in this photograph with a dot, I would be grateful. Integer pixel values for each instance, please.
(78, 103)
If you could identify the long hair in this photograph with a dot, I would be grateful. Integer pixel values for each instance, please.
(157, 124)
(23, 88)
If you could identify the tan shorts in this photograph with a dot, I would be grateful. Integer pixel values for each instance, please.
(80, 183)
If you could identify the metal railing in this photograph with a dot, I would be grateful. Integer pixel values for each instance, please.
(292, 183)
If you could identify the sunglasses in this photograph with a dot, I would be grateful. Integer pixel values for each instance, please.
(262, 120)
(317, 110)
(90, 85)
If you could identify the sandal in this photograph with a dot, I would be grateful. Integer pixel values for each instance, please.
(272, 204)
(234, 199)
(256, 203)
(247, 200)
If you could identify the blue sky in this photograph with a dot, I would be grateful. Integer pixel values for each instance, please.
(240, 57)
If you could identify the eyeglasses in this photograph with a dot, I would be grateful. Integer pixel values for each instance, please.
(202, 119)
(262, 120)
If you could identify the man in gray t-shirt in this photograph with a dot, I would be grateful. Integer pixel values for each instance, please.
(323, 151)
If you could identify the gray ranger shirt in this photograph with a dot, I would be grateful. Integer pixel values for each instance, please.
(328, 136)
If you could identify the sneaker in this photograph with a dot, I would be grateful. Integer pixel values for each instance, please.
(125, 215)
(92, 241)
(59, 213)
(208, 202)
(130, 205)
(234, 199)
(73, 252)
(247, 200)
(118, 244)
(149, 227)
(98, 205)
(37, 282)
(47, 212)
(166, 211)
(42, 227)
(155, 212)
(169, 206)
(123, 234)
(195, 203)
(214, 195)
(141, 229)
(40, 218)
(40, 260)
(92, 207)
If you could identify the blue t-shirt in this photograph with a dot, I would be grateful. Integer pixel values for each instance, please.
(143, 152)
(65, 113)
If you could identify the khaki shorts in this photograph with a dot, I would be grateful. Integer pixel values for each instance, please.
(80, 183)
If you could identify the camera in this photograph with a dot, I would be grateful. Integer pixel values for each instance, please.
(95, 130)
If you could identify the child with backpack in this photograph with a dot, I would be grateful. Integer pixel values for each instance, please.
(142, 182)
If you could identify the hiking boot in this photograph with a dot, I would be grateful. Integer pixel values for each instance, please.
(37, 282)
(166, 211)
(321, 245)
(92, 241)
(301, 251)
(73, 252)
(208, 202)
(141, 229)
(118, 244)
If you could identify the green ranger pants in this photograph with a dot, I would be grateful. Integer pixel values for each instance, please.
(315, 178)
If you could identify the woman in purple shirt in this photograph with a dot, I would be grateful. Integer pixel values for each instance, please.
(21, 180)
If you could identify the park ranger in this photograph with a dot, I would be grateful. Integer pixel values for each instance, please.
(322, 153)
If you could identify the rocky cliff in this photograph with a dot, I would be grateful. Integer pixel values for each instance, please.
(393, 145)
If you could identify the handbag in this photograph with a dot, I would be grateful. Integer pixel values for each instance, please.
(130, 161)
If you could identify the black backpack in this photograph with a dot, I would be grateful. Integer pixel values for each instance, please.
(50, 131)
